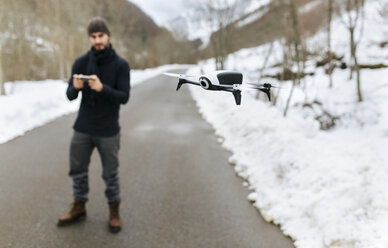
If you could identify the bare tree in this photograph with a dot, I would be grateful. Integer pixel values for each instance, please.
(329, 19)
(2, 89)
(264, 66)
(217, 16)
(295, 48)
(41, 39)
(2, 30)
(266, 60)
(352, 18)
(18, 39)
(179, 28)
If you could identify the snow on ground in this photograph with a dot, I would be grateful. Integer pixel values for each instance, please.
(324, 188)
(29, 104)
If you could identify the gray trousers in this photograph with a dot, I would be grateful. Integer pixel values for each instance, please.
(81, 148)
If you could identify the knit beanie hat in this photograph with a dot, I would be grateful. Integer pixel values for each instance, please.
(98, 24)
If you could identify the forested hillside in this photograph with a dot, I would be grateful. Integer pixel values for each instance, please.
(291, 21)
(255, 23)
(40, 39)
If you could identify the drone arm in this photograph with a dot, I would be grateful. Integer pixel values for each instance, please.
(266, 88)
(192, 82)
(237, 96)
(266, 91)
(181, 81)
(184, 81)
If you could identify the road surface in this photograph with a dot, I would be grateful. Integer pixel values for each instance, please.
(177, 187)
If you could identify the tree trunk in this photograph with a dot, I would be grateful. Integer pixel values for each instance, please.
(276, 97)
(2, 89)
(222, 47)
(358, 74)
(215, 52)
(261, 70)
(331, 79)
(297, 41)
(59, 41)
(61, 64)
(355, 67)
(330, 15)
(297, 46)
(352, 51)
(289, 97)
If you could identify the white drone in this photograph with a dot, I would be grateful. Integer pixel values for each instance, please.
(229, 81)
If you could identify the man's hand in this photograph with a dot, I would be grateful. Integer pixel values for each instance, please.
(78, 83)
(95, 83)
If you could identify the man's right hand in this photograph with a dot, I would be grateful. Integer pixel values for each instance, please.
(78, 83)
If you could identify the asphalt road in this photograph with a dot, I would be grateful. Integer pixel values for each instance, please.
(177, 187)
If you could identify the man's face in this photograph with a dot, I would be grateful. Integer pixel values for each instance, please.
(99, 40)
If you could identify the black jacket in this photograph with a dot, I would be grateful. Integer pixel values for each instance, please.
(99, 111)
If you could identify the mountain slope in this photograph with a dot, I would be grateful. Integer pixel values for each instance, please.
(44, 37)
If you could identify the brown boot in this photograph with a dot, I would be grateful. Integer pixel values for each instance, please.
(114, 218)
(78, 211)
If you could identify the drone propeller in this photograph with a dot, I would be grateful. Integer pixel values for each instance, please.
(265, 85)
(266, 88)
(172, 74)
(178, 75)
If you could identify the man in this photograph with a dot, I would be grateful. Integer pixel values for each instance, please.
(106, 87)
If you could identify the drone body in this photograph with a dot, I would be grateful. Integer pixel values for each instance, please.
(229, 81)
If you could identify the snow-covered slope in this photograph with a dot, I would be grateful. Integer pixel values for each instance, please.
(324, 188)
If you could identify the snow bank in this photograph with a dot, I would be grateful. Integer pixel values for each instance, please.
(324, 188)
(29, 104)
(32, 104)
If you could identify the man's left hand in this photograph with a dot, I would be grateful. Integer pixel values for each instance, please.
(95, 83)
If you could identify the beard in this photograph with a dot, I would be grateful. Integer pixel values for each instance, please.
(100, 46)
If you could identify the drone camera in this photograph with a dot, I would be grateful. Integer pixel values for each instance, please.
(204, 82)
